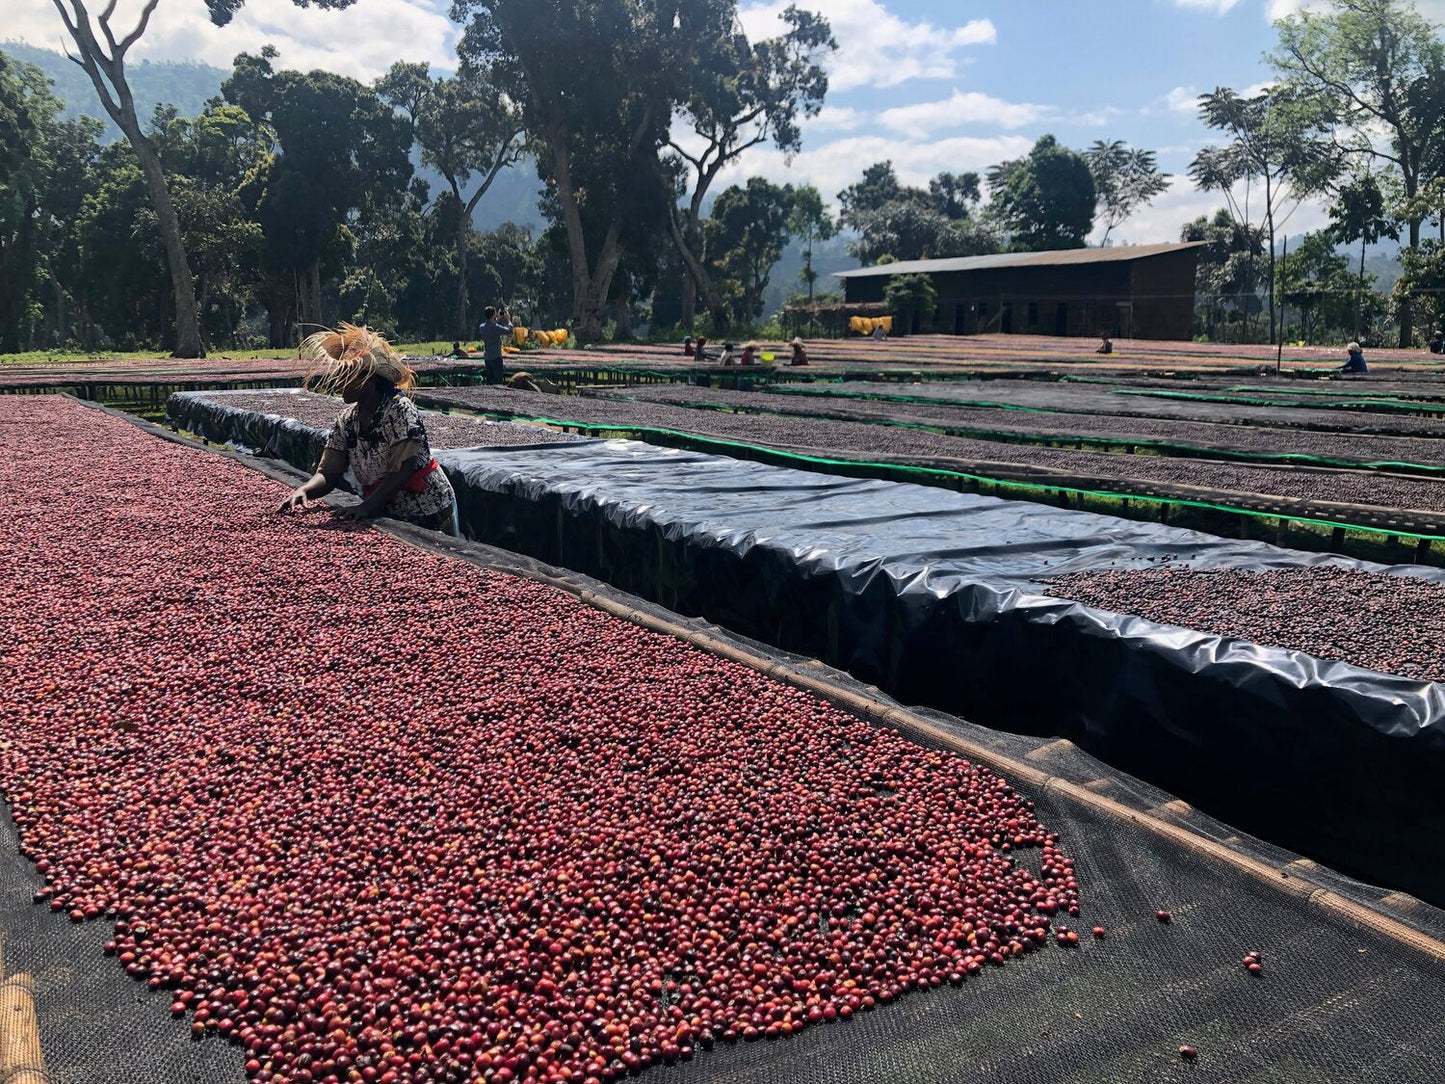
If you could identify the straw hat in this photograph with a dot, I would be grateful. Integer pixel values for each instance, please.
(336, 358)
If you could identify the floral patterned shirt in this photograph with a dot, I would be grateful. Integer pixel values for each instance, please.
(373, 453)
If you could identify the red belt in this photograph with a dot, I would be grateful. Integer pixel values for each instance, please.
(415, 484)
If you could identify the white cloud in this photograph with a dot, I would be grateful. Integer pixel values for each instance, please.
(876, 48)
(1093, 118)
(833, 166)
(361, 41)
(927, 118)
(836, 118)
(1163, 219)
(972, 107)
(1218, 7)
(1182, 100)
(1278, 9)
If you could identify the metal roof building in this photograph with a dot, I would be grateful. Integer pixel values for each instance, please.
(1133, 291)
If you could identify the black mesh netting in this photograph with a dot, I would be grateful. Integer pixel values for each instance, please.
(97, 1025)
(1335, 1002)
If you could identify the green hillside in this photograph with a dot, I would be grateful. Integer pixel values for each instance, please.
(184, 85)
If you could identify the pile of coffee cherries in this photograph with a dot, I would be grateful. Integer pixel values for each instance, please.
(377, 815)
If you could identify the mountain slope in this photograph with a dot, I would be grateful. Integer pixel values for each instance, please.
(186, 86)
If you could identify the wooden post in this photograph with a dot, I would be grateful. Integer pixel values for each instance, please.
(20, 1059)
(1283, 264)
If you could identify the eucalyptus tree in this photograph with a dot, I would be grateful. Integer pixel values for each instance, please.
(468, 130)
(1279, 142)
(1126, 180)
(597, 83)
(744, 95)
(1379, 66)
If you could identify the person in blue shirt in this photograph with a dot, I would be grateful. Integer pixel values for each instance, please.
(495, 330)
(1356, 361)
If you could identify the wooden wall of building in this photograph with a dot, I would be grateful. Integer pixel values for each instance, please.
(1148, 298)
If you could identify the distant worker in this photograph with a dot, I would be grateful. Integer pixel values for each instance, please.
(1355, 363)
(749, 354)
(1437, 343)
(800, 356)
(879, 331)
(379, 434)
(687, 350)
(700, 350)
(528, 382)
(726, 357)
(495, 329)
(1107, 346)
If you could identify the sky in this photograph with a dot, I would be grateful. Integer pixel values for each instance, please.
(930, 84)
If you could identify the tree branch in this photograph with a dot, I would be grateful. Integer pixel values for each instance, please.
(506, 155)
(696, 164)
(91, 56)
(1344, 90)
(134, 35)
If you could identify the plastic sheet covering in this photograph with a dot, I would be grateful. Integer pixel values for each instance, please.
(929, 595)
(274, 436)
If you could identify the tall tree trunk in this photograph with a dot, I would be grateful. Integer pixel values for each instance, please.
(460, 325)
(1360, 292)
(313, 298)
(585, 319)
(808, 265)
(188, 326)
(1271, 281)
(204, 303)
(1407, 315)
(687, 239)
(109, 68)
(504, 157)
(624, 318)
(589, 286)
(689, 299)
(59, 310)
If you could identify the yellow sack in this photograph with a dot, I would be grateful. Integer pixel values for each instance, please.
(519, 335)
(560, 336)
(855, 324)
(867, 325)
(542, 338)
(886, 323)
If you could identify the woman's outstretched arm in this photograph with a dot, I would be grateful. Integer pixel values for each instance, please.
(328, 474)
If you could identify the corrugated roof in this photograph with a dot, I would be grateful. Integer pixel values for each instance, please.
(1057, 258)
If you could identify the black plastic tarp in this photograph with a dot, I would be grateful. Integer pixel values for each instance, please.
(932, 596)
(271, 435)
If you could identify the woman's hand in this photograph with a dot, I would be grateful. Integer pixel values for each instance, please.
(355, 512)
(295, 502)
